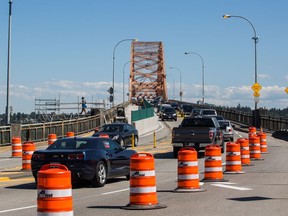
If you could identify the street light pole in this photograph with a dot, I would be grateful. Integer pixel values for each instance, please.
(181, 92)
(123, 79)
(113, 74)
(187, 53)
(256, 40)
(8, 65)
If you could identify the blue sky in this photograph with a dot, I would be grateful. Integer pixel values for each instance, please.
(64, 49)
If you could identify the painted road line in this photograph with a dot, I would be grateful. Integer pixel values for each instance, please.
(231, 187)
(238, 134)
(17, 209)
(3, 179)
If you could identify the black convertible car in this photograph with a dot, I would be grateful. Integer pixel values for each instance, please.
(92, 159)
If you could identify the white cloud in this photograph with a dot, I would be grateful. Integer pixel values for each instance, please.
(23, 97)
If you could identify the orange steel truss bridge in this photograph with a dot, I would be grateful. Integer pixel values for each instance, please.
(147, 72)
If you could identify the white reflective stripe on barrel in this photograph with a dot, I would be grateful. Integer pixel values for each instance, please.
(142, 189)
(17, 150)
(52, 140)
(54, 193)
(245, 148)
(233, 162)
(263, 146)
(232, 153)
(67, 213)
(191, 176)
(187, 163)
(263, 140)
(142, 173)
(245, 156)
(28, 152)
(213, 158)
(255, 152)
(16, 144)
(255, 144)
(26, 161)
(213, 169)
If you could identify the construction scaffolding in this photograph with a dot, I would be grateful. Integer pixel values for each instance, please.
(48, 106)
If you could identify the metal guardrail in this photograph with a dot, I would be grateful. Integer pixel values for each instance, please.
(267, 122)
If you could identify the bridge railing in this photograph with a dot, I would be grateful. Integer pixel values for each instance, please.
(40, 131)
(264, 121)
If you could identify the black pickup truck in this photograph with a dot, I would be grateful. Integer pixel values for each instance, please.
(197, 132)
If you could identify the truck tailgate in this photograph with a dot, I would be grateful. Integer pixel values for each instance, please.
(191, 135)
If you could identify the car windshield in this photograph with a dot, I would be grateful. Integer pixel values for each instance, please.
(187, 108)
(196, 112)
(198, 122)
(111, 128)
(209, 112)
(169, 109)
(72, 144)
(223, 124)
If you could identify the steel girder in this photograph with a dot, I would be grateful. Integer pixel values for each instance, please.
(147, 71)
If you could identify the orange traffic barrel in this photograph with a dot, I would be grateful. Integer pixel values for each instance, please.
(213, 164)
(245, 152)
(54, 191)
(254, 147)
(143, 183)
(188, 175)
(252, 130)
(70, 134)
(233, 158)
(27, 151)
(16, 147)
(263, 142)
(51, 138)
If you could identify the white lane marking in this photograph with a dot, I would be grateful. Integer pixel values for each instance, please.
(17, 209)
(238, 134)
(117, 191)
(232, 187)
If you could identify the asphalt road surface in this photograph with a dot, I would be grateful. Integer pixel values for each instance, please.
(261, 190)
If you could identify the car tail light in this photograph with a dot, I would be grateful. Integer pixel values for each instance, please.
(211, 134)
(76, 156)
(104, 135)
(38, 156)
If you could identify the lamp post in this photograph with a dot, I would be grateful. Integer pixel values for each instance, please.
(113, 74)
(8, 65)
(181, 92)
(256, 40)
(123, 79)
(187, 53)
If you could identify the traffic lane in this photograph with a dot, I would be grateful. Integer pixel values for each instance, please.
(163, 132)
(216, 200)
(242, 194)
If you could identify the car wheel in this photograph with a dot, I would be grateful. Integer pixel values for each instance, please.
(231, 139)
(128, 176)
(100, 176)
(135, 141)
(122, 143)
